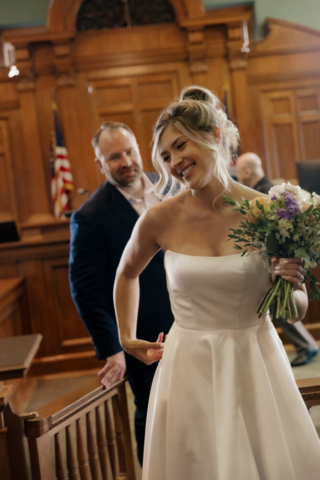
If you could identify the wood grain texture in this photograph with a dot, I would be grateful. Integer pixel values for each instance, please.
(129, 75)
(71, 409)
(16, 355)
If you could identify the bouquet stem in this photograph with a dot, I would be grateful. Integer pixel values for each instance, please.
(281, 292)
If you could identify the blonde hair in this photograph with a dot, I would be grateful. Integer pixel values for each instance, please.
(195, 115)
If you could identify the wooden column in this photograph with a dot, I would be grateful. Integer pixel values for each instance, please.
(238, 71)
(35, 173)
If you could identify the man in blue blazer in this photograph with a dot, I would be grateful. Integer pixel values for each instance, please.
(100, 230)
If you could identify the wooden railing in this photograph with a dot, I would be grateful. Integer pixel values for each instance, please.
(5, 471)
(310, 391)
(91, 412)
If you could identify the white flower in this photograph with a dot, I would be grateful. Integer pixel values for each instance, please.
(316, 198)
(284, 224)
(277, 190)
(304, 206)
(257, 243)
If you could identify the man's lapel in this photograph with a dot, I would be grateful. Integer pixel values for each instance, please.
(120, 205)
(122, 208)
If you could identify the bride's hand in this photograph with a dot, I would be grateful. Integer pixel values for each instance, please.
(289, 269)
(146, 352)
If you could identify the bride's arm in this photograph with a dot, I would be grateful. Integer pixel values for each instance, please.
(139, 251)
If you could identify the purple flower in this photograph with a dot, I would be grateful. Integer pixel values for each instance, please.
(292, 209)
(273, 197)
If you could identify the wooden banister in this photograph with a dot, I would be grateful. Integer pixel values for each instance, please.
(310, 391)
(5, 471)
(105, 449)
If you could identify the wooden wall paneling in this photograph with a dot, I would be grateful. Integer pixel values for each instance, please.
(151, 94)
(9, 270)
(308, 116)
(111, 100)
(37, 200)
(38, 304)
(257, 142)
(45, 88)
(12, 306)
(20, 167)
(68, 333)
(241, 112)
(8, 199)
(85, 171)
(77, 133)
(136, 101)
(11, 326)
(50, 311)
(281, 133)
(218, 78)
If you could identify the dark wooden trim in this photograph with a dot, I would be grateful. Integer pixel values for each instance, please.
(295, 26)
(66, 363)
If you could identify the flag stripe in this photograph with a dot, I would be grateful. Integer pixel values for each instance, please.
(61, 176)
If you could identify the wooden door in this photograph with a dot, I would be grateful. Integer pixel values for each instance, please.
(292, 129)
(282, 134)
(308, 116)
(136, 101)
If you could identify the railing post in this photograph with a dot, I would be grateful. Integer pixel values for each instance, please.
(42, 465)
(123, 407)
(5, 471)
(17, 455)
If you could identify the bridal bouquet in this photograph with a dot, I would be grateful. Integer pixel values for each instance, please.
(281, 225)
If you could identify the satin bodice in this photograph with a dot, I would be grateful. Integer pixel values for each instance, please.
(216, 293)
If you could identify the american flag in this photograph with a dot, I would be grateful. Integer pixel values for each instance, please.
(61, 177)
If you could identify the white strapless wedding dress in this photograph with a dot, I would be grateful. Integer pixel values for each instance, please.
(224, 404)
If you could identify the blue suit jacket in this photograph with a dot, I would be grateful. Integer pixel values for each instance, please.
(100, 230)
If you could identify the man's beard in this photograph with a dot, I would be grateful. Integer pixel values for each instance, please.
(123, 180)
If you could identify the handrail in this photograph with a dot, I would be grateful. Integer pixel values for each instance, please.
(62, 408)
(110, 444)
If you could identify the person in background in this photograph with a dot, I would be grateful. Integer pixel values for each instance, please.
(100, 230)
(249, 172)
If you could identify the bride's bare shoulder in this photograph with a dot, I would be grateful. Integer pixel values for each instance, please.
(241, 192)
(168, 209)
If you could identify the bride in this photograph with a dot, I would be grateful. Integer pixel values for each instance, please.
(224, 404)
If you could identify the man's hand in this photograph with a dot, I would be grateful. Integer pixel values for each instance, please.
(113, 370)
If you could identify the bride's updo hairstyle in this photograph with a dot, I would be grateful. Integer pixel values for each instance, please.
(195, 115)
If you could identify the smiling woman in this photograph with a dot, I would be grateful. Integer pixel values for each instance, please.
(198, 116)
(223, 404)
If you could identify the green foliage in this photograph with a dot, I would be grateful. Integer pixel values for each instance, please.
(264, 230)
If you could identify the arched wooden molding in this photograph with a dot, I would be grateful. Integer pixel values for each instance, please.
(62, 14)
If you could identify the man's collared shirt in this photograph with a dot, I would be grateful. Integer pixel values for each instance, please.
(149, 197)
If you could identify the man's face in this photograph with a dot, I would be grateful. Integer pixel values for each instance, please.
(243, 172)
(118, 157)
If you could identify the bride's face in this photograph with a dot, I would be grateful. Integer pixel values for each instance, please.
(185, 160)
